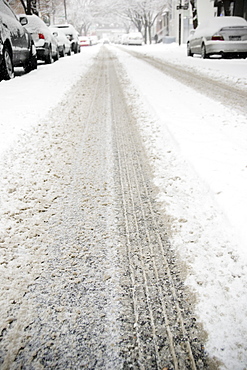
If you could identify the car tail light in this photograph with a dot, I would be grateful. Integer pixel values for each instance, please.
(41, 36)
(217, 38)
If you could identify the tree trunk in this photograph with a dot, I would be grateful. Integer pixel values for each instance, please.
(29, 7)
(194, 13)
(24, 6)
(150, 34)
(145, 33)
(239, 8)
(227, 7)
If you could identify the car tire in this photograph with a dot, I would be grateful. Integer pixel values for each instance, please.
(56, 57)
(48, 58)
(62, 52)
(7, 68)
(69, 52)
(189, 53)
(204, 52)
(32, 63)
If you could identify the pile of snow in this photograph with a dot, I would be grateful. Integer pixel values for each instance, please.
(26, 99)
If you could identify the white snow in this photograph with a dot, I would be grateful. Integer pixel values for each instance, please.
(198, 149)
(25, 100)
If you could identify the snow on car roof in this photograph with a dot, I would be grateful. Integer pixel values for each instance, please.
(223, 22)
(35, 24)
(214, 24)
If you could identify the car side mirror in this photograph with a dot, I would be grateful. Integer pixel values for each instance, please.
(55, 34)
(23, 21)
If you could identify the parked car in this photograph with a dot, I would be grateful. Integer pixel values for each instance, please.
(16, 44)
(94, 39)
(84, 41)
(45, 43)
(72, 35)
(64, 46)
(225, 36)
(133, 38)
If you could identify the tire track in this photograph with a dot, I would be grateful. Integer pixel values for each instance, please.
(228, 95)
(172, 343)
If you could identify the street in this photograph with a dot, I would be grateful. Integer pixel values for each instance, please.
(107, 289)
(90, 277)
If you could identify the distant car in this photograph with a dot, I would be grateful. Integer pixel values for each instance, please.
(225, 36)
(84, 41)
(16, 44)
(45, 43)
(71, 34)
(132, 38)
(64, 46)
(105, 41)
(93, 39)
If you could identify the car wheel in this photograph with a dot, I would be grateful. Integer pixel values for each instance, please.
(56, 57)
(189, 53)
(62, 52)
(69, 52)
(32, 63)
(7, 69)
(204, 53)
(48, 58)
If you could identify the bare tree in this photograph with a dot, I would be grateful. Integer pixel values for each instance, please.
(82, 14)
(43, 8)
(28, 6)
(148, 11)
(141, 13)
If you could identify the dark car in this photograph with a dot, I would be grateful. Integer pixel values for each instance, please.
(16, 45)
(45, 43)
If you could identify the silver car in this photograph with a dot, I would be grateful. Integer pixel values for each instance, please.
(45, 43)
(63, 42)
(72, 35)
(225, 36)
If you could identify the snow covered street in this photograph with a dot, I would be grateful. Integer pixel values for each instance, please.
(61, 230)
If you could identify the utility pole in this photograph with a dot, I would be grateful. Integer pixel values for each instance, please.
(65, 11)
(180, 7)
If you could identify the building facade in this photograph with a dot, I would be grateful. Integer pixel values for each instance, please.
(176, 21)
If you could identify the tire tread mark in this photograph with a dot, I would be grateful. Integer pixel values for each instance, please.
(131, 173)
